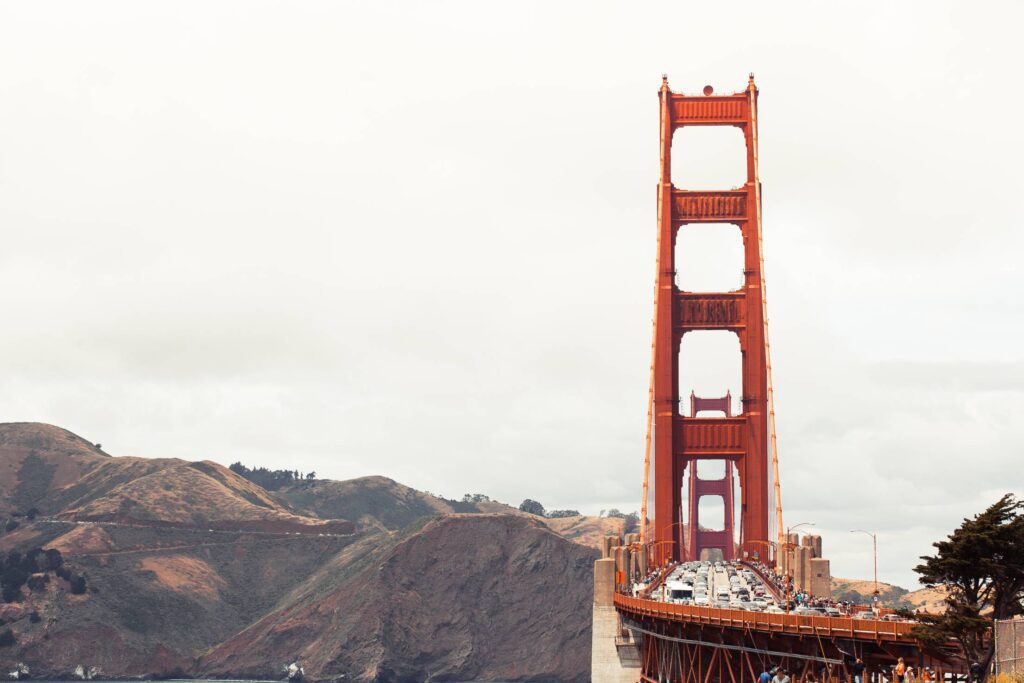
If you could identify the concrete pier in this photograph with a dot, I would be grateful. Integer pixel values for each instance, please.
(614, 656)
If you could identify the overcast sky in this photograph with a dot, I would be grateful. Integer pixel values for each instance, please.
(417, 239)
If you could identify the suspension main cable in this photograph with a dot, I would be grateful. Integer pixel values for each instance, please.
(752, 93)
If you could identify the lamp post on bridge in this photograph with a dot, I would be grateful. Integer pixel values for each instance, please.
(874, 555)
(682, 546)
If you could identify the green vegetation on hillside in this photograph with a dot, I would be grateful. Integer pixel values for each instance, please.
(271, 480)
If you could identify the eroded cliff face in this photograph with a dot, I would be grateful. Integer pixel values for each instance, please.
(469, 597)
(193, 571)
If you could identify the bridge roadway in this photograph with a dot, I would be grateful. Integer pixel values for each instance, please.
(696, 644)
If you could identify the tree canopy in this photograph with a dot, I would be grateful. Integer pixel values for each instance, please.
(981, 567)
(533, 507)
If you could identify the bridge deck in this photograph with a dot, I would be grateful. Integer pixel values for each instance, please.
(792, 624)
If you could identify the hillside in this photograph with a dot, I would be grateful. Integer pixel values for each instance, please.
(927, 599)
(472, 597)
(192, 569)
(184, 494)
(37, 459)
(372, 502)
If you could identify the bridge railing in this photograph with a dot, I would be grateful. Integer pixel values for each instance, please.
(795, 624)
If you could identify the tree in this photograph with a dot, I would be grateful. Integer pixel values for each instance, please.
(37, 582)
(32, 513)
(7, 638)
(14, 577)
(310, 476)
(630, 523)
(77, 584)
(54, 560)
(11, 593)
(11, 525)
(556, 514)
(30, 561)
(532, 507)
(13, 559)
(981, 567)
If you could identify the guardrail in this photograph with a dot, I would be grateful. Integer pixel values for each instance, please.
(794, 624)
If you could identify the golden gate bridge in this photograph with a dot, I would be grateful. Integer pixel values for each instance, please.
(638, 634)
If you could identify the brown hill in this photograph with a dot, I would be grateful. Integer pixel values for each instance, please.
(890, 595)
(180, 493)
(373, 502)
(590, 531)
(382, 503)
(192, 569)
(157, 598)
(36, 459)
(469, 597)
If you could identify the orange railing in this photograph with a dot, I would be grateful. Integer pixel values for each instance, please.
(795, 624)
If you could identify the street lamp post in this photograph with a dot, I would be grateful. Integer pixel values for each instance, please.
(682, 546)
(874, 557)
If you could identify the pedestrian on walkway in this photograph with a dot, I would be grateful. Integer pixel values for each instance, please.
(858, 671)
(900, 671)
(781, 676)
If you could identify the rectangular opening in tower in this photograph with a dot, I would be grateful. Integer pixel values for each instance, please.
(711, 366)
(709, 158)
(711, 513)
(709, 257)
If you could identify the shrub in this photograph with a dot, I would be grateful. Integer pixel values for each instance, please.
(532, 507)
(11, 594)
(556, 514)
(7, 638)
(11, 525)
(34, 617)
(37, 582)
(14, 576)
(53, 559)
(30, 563)
(32, 513)
(77, 584)
(13, 559)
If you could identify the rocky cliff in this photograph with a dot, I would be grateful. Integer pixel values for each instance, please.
(191, 570)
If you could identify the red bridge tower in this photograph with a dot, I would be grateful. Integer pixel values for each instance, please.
(679, 442)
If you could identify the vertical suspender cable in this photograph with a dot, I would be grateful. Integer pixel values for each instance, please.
(752, 94)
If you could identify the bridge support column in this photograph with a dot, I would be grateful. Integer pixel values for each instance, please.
(614, 655)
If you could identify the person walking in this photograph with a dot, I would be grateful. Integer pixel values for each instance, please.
(900, 671)
(781, 676)
(766, 675)
(858, 671)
